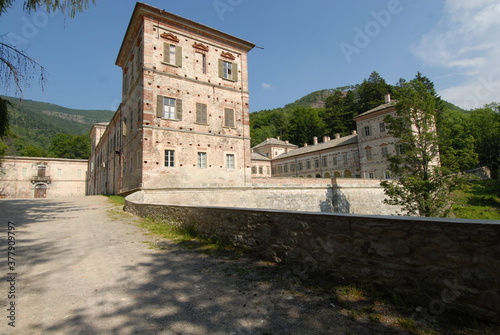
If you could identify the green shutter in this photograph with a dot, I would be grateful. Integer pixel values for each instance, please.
(235, 72)
(159, 106)
(178, 56)
(166, 53)
(221, 68)
(178, 109)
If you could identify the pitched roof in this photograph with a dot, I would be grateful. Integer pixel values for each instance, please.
(259, 157)
(378, 108)
(275, 142)
(336, 142)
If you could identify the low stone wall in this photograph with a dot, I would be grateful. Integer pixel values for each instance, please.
(360, 196)
(445, 264)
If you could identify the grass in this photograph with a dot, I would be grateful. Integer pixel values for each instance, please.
(189, 238)
(478, 200)
(116, 199)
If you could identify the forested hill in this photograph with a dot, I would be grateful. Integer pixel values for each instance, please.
(317, 99)
(35, 124)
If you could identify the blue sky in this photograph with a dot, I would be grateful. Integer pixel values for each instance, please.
(307, 46)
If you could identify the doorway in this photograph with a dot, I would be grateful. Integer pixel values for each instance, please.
(40, 191)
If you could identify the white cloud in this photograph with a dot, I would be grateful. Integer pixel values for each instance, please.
(266, 86)
(465, 42)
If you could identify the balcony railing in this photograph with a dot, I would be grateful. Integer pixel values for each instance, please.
(39, 179)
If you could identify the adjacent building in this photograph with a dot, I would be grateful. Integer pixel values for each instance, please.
(363, 154)
(38, 177)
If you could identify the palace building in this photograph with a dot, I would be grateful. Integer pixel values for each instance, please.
(184, 117)
(360, 155)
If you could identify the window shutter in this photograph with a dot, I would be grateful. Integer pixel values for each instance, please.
(159, 106)
(235, 72)
(166, 53)
(178, 56)
(221, 68)
(178, 109)
(228, 117)
(204, 114)
(198, 112)
(201, 113)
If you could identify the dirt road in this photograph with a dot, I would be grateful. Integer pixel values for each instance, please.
(80, 269)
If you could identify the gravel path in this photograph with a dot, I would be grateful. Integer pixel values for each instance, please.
(83, 268)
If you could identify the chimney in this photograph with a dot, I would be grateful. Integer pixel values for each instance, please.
(279, 137)
(315, 140)
(354, 132)
(286, 142)
(325, 139)
(337, 135)
(305, 144)
(387, 98)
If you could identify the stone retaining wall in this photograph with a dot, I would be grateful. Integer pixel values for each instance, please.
(446, 264)
(359, 196)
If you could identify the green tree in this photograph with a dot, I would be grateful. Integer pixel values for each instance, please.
(304, 125)
(484, 124)
(35, 151)
(421, 187)
(71, 146)
(456, 142)
(371, 92)
(340, 109)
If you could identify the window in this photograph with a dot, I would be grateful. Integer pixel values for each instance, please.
(300, 166)
(399, 149)
(201, 113)
(335, 160)
(169, 108)
(316, 163)
(202, 160)
(254, 170)
(344, 157)
(325, 161)
(382, 127)
(169, 158)
(204, 62)
(369, 154)
(366, 131)
(229, 117)
(261, 171)
(230, 161)
(384, 152)
(387, 175)
(370, 175)
(308, 164)
(285, 168)
(172, 54)
(228, 70)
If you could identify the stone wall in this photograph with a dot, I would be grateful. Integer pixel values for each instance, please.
(360, 196)
(445, 264)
